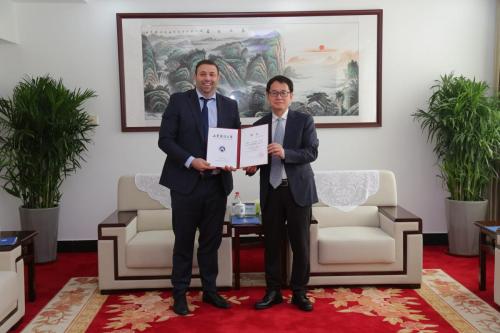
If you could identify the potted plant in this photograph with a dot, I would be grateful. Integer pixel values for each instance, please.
(464, 124)
(44, 133)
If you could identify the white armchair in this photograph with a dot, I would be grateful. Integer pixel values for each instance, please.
(12, 305)
(135, 245)
(377, 242)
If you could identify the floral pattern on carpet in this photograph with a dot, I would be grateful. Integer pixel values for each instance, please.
(79, 306)
(63, 309)
(468, 305)
(370, 301)
(139, 312)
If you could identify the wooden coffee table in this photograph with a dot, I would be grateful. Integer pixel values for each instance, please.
(252, 229)
(26, 239)
(487, 242)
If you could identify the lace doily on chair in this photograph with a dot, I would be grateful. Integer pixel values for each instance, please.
(150, 183)
(346, 189)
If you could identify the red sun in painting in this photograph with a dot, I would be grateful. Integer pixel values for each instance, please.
(321, 48)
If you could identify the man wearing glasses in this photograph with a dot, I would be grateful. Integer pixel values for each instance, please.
(287, 192)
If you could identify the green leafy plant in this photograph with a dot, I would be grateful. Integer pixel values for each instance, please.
(464, 124)
(44, 134)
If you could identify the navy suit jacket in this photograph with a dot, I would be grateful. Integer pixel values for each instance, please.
(181, 136)
(301, 148)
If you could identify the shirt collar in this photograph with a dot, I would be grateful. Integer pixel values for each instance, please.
(284, 116)
(200, 95)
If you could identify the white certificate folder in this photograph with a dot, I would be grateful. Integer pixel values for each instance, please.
(238, 148)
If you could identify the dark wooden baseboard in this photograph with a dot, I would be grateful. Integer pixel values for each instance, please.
(91, 245)
(77, 246)
(435, 239)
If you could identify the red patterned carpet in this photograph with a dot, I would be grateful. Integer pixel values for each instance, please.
(345, 309)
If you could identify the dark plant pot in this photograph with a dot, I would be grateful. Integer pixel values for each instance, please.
(45, 221)
(463, 235)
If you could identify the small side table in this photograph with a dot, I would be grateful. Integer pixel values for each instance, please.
(26, 239)
(251, 229)
(487, 242)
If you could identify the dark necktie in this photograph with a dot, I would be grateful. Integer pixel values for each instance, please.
(204, 116)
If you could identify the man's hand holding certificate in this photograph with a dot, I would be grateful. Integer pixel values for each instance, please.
(238, 148)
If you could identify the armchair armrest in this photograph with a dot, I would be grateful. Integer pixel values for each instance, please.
(9, 256)
(120, 224)
(117, 219)
(398, 214)
(313, 229)
(401, 220)
(227, 229)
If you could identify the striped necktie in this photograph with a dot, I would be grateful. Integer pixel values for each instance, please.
(276, 162)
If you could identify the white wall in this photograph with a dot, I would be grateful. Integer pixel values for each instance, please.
(8, 22)
(421, 40)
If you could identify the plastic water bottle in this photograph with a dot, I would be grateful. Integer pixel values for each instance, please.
(238, 207)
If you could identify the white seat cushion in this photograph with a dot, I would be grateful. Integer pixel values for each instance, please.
(355, 245)
(152, 249)
(9, 290)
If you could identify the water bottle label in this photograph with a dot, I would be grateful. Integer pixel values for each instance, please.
(239, 209)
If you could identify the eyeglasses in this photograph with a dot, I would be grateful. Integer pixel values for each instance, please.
(282, 93)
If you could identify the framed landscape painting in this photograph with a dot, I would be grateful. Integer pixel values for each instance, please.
(333, 57)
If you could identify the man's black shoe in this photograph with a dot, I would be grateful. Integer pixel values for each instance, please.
(301, 301)
(180, 305)
(270, 298)
(215, 299)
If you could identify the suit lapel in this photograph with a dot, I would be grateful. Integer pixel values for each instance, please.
(269, 122)
(196, 111)
(220, 113)
(289, 129)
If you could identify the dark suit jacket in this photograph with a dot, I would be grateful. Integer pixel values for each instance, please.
(181, 136)
(301, 147)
